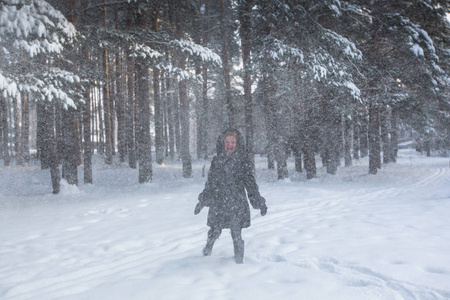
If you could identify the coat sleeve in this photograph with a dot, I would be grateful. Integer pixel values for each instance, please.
(206, 196)
(255, 198)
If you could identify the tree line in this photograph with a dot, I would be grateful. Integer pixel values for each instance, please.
(337, 78)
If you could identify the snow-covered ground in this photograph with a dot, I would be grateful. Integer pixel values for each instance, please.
(349, 236)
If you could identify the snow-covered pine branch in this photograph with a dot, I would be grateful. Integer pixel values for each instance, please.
(196, 50)
(34, 26)
(32, 33)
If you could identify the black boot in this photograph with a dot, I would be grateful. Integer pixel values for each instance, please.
(239, 251)
(213, 235)
(208, 248)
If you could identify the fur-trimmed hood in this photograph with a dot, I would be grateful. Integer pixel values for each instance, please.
(240, 144)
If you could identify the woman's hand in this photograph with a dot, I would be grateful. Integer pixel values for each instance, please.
(198, 208)
(263, 209)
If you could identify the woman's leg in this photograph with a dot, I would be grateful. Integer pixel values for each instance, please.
(213, 235)
(238, 243)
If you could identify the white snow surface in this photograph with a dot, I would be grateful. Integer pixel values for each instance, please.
(348, 236)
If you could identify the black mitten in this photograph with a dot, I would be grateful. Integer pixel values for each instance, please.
(198, 208)
(263, 209)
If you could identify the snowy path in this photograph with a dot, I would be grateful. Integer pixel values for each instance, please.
(350, 236)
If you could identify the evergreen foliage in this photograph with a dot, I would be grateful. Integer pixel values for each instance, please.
(298, 77)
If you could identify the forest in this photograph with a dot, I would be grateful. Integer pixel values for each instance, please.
(147, 81)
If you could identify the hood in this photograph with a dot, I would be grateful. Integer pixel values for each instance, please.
(240, 145)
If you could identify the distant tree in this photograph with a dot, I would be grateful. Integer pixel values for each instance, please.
(33, 36)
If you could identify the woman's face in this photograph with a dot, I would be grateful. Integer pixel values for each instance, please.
(230, 144)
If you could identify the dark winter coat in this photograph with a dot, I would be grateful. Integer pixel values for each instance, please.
(230, 180)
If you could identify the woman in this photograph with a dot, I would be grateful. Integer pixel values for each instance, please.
(230, 180)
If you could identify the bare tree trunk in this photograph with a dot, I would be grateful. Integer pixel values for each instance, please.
(184, 110)
(203, 107)
(269, 124)
(47, 143)
(309, 150)
(244, 18)
(2, 138)
(144, 142)
(159, 136)
(170, 117)
(364, 136)
(71, 147)
(384, 126)
(107, 110)
(26, 127)
(120, 109)
(356, 135)
(5, 131)
(17, 131)
(129, 113)
(394, 135)
(52, 148)
(348, 141)
(226, 66)
(171, 97)
(164, 109)
(374, 140)
(88, 151)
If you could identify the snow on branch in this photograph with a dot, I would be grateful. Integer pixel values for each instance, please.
(280, 49)
(193, 49)
(178, 73)
(145, 52)
(346, 46)
(35, 26)
(8, 87)
(417, 37)
(29, 28)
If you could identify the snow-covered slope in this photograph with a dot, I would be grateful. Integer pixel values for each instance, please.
(349, 236)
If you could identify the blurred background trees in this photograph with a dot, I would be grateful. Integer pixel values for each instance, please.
(146, 81)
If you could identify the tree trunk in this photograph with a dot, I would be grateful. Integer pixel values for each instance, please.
(184, 110)
(226, 65)
(332, 146)
(374, 138)
(52, 155)
(165, 114)
(17, 132)
(159, 138)
(129, 113)
(70, 145)
(348, 141)
(244, 18)
(88, 151)
(120, 109)
(5, 131)
(26, 128)
(384, 126)
(159, 122)
(308, 150)
(46, 142)
(394, 135)
(2, 149)
(269, 124)
(356, 136)
(203, 117)
(144, 139)
(364, 136)
(107, 110)
(332, 126)
(204, 107)
(171, 105)
(279, 131)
